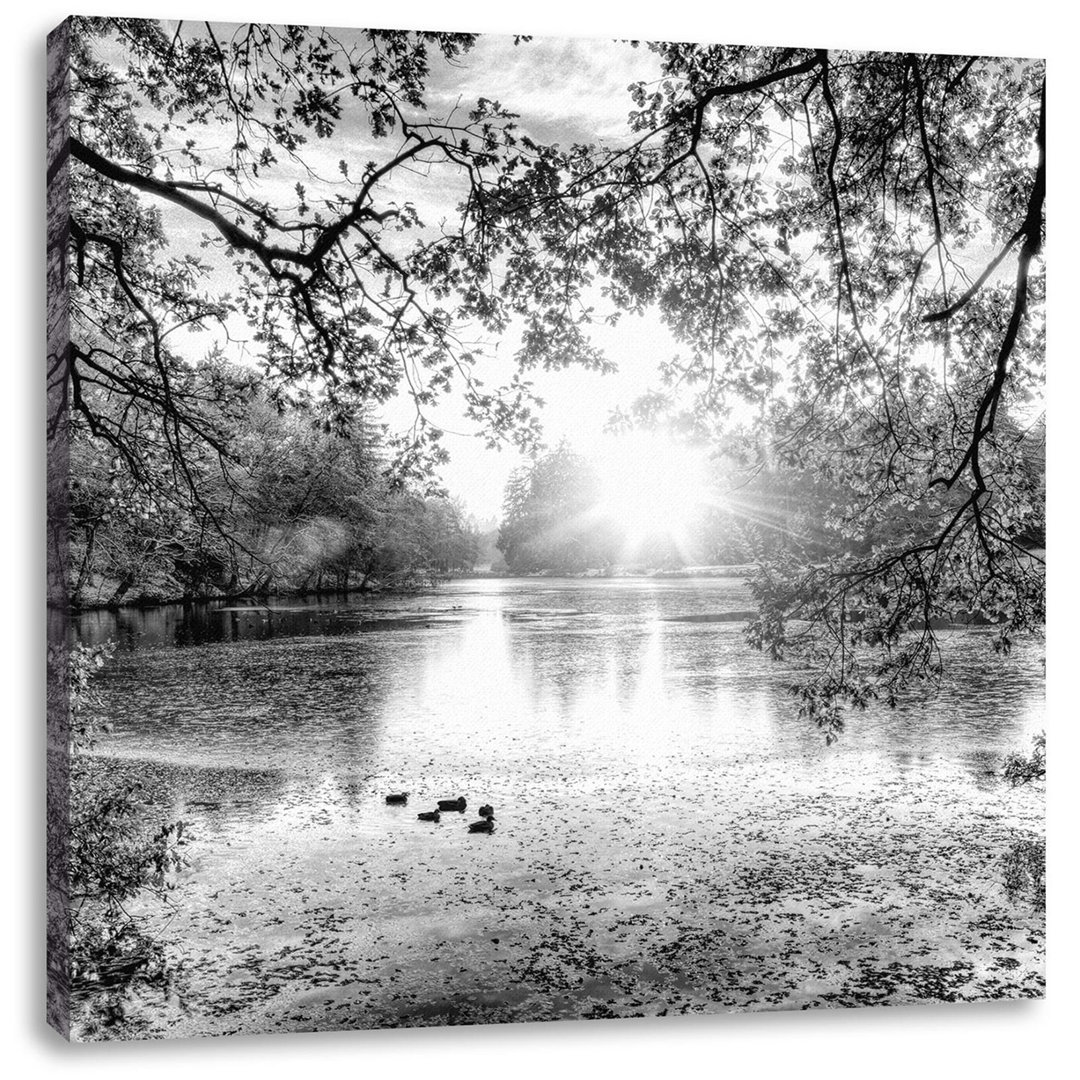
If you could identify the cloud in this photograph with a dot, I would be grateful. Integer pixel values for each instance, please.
(564, 89)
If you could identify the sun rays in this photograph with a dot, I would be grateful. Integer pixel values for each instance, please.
(654, 490)
(645, 501)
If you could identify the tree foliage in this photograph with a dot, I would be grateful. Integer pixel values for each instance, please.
(549, 519)
(849, 241)
(827, 234)
(335, 281)
(299, 508)
(1023, 770)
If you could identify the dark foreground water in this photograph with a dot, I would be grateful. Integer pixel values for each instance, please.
(670, 837)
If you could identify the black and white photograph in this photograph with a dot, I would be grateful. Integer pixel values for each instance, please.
(540, 527)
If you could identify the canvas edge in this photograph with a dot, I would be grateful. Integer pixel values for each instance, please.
(58, 342)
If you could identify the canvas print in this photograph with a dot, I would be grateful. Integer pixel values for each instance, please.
(539, 528)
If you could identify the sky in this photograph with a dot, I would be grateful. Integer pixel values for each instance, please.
(565, 90)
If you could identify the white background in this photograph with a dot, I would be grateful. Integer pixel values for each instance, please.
(992, 1040)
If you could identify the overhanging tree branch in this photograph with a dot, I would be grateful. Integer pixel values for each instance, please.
(1031, 231)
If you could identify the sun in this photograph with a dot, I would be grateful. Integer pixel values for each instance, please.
(651, 485)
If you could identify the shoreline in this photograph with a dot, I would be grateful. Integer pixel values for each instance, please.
(737, 571)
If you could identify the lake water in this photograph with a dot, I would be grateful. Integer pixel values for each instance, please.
(669, 835)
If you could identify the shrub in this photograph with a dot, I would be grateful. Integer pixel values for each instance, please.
(1024, 863)
(115, 857)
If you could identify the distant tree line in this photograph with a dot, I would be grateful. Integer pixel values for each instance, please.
(752, 510)
(554, 520)
(290, 504)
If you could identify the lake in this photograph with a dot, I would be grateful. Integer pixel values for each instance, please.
(670, 837)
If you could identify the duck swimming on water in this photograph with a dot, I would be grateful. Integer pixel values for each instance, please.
(397, 800)
(487, 810)
(483, 825)
(457, 804)
(430, 815)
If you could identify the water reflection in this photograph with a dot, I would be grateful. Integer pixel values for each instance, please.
(525, 600)
(633, 756)
(569, 667)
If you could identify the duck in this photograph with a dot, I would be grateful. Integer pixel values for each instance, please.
(487, 810)
(429, 815)
(457, 804)
(398, 799)
(483, 825)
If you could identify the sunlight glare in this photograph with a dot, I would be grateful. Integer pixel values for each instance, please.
(651, 485)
